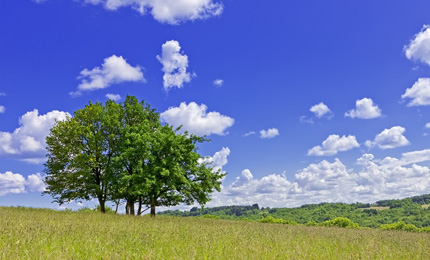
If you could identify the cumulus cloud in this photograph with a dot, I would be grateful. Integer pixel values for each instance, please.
(196, 120)
(269, 133)
(2, 109)
(328, 182)
(114, 97)
(427, 125)
(419, 47)
(321, 110)
(27, 142)
(334, 144)
(218, 82)
(218, 160)
(365, 109)
(15, 183)
(167, 11)
(419, 93)
(389, 138)
(113, 70)
(175, 65)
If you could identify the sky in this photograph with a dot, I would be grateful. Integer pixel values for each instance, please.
(304, 101)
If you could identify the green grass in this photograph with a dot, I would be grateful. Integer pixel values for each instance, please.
(46, 234)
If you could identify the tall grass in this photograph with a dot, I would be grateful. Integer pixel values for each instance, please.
(46, 234)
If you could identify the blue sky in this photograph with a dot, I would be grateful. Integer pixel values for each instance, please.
(304, 101)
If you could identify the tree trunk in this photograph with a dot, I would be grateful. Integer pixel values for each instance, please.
(102, 204)
(139, 210)
(130, 207)
(153, 208)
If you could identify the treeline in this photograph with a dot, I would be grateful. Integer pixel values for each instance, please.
(410, 211)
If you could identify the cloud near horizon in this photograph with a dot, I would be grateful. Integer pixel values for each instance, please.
(15, 183)
(332, 182)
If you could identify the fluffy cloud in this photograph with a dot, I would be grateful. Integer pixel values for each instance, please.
(427, 125)
(365, 109)
(419, 47)
(2, 109)
(218, 82)
(194, 119)
(269, 133)
(174, 65)
(15, 183)
(334, 144)
(389, 138)
(27, 142)
(114, 97)
(419, 93)
(328, 182)
(321, 110)
(218, 160)
(167, 11)
(113, 70)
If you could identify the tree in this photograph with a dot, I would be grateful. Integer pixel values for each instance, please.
(80, 154)
(173, 173)
(122, 152)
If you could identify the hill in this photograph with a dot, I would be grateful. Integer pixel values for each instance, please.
(412, 210)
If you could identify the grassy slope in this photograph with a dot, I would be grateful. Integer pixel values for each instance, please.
(47, 234)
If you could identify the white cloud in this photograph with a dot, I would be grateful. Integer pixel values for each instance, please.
(365, 109)
(194, 119)
(114, 97)
(269, 133)
(218, 82)
(321, 110)
(2, 109)
(306, 120)
(113, 70)
(427, 125)
(419, 47)
(419, 93)
(327, 182)
(27, 142)
(167, 11)
(249, 133)
(334, 144)
(389, 138)
(174, 65)
(15, 183)
(218, 160)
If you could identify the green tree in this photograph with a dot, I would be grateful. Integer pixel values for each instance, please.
(122, 152)
(80, 154)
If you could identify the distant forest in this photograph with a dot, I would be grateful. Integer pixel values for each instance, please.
(414, 210)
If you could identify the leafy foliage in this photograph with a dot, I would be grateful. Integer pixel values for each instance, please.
(117, 152)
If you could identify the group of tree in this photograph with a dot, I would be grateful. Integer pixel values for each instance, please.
(121, 152)
(412, 211)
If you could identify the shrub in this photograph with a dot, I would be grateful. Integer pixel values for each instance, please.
(401, 225)
(340, 222)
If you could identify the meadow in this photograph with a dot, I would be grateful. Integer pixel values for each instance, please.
(28, 233)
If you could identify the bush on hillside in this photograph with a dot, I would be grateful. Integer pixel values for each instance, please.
(340, 222)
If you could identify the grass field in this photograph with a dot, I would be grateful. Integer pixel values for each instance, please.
(47, 234)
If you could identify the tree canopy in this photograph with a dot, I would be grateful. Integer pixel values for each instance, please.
(121, 152)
